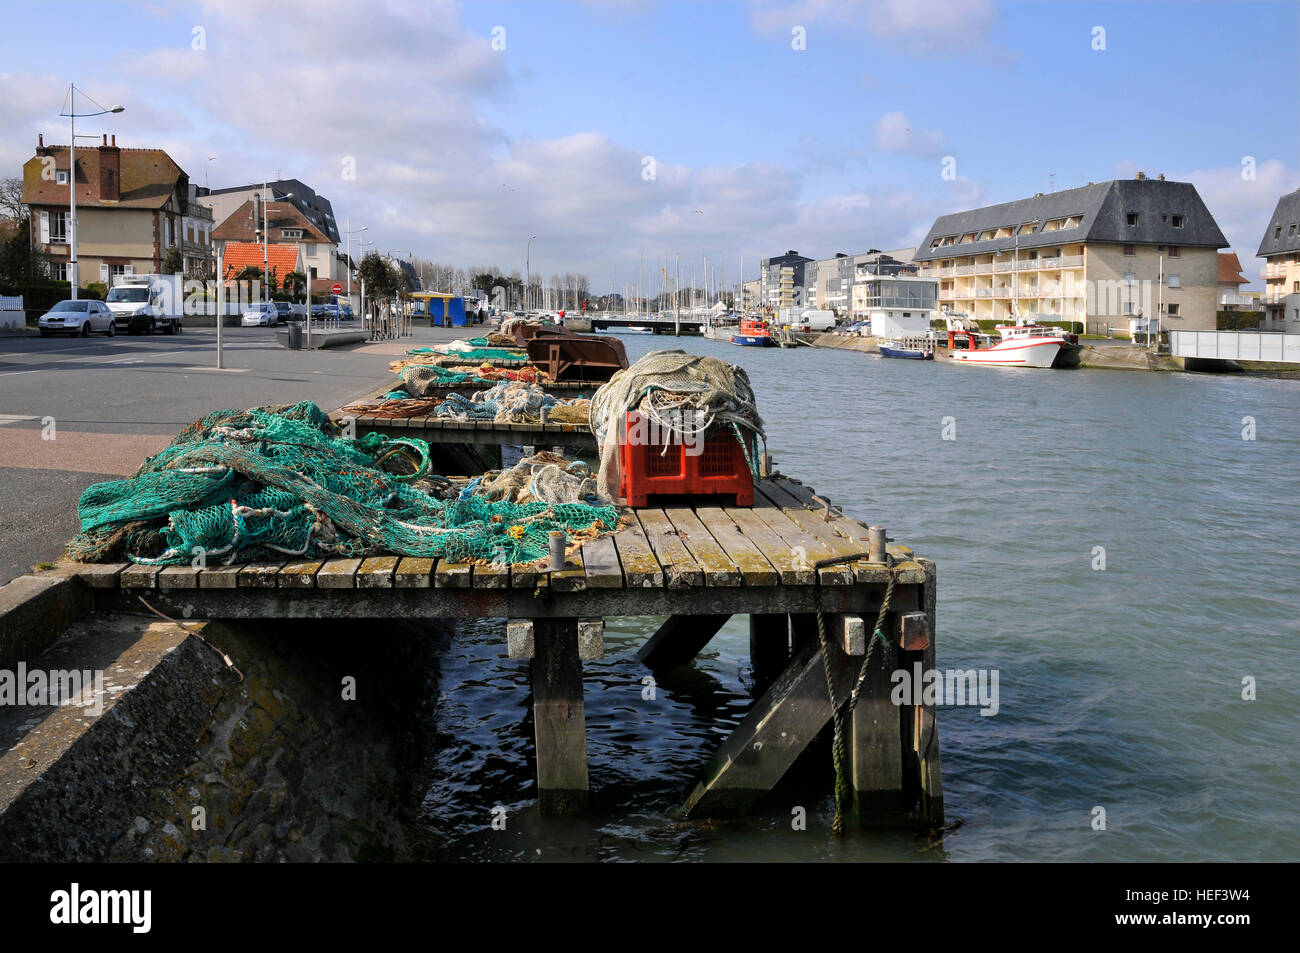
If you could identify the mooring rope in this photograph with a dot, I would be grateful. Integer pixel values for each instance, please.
(840, 715)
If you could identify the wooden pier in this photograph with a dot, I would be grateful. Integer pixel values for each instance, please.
(784, 563)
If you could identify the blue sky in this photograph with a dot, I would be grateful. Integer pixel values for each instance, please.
(461, 150)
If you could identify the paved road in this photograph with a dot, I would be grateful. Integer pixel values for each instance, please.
(107, 403)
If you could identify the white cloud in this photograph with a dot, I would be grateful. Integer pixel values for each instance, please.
(917, 26)
(894, 132)
(1243, 207)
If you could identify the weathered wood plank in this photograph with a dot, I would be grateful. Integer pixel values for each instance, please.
(715, 565)
(488, 576)
(573, 577)
(809, 549)
(875, 741)
(600, 561)
(179, 577)
(559, 718)
(414, 572)
(679, 566)
(259, 575)
(754, 567)
(794, 569)
(338, 574)
(136, 576)
(101, 575)
(523, 576)
(299, 575)
(640, 568)
(222, 577)
(453, 575)
(376, 572)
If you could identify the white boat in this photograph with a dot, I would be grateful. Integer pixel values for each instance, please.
(1012, 352)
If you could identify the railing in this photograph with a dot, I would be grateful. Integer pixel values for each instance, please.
(1236, 345)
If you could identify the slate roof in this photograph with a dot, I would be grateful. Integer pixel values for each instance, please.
(1286, 214)
(315, 207)
(1104, 208)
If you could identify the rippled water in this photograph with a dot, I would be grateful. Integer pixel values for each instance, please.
(1119, 688)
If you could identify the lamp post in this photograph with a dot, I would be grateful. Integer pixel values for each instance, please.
(207, 182)
(528, 251)
(72, 117)
(348, 232)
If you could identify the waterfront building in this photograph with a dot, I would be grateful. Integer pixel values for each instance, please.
(783, 281)
(1280, 249)
(1099, 255)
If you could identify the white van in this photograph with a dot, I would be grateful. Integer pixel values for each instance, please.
(807, 319)
(140, 304)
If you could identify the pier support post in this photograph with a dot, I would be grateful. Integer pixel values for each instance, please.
(679, 639)
(876, 742)
(559, 717)
(769, 647)
(921, 731)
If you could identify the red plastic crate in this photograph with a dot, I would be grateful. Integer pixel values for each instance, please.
(656, 469)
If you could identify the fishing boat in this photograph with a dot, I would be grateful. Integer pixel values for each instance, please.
(753, 333)
(1018, 350)
(905, 351)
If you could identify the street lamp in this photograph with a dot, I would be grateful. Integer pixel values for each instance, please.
(72, 116)
(348, 232)
(528, 250)
(207, 182)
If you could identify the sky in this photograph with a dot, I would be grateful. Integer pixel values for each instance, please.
(616, 130)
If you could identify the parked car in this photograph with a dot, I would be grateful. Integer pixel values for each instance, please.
(298, 311)
(258, 315)
(77, 317)
(345, 312)
(283, 311)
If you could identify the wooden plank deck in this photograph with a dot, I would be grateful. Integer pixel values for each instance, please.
(706, 559)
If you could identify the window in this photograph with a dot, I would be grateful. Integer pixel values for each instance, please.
(1172, 281)
(309, 250)
(1291, 230)
(1295, 286)
(1178, 221)
(61, 177)
(1277, 232)
(1132, 219)
(58, 227)
(291, 232)
(1173, 310)
(59, 270)
(1174, 251)
(1130, 250)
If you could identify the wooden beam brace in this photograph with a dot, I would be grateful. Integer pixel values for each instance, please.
(679, 640)
(769, 647)
(776, 730)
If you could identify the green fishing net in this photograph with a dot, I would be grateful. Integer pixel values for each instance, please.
(275, 482)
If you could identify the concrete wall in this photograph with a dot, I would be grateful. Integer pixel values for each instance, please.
(1197, 295)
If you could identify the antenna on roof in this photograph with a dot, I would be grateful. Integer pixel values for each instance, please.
(1051, 176)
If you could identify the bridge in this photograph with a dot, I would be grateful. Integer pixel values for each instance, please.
(1269, 346)
(660, 325)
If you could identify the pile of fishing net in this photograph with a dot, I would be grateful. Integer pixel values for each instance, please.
(544, 477)
(516, 402)
(470, 351)
(683, 395)
(273, 482)
(510, 325)
(420, 380)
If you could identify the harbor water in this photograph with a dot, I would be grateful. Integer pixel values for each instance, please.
(1108, 542)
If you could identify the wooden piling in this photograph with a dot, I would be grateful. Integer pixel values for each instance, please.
(559, 716)
(769, 647)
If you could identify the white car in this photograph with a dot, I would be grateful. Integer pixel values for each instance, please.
(77, 317)
(260, 315)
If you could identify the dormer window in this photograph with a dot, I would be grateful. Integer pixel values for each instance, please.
(1132, 219)
(61, 176)
(1178, 221)
(291, 232)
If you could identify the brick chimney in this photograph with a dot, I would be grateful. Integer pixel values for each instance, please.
(110, 171)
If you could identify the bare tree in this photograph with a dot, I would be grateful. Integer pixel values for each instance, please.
(11, 198)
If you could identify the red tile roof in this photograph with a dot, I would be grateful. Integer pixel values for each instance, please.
(282, 258)
(147, 177)
(1230, 269)
(240, 227)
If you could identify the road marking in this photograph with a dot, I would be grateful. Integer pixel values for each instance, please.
(14, 373)
(223, 370)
